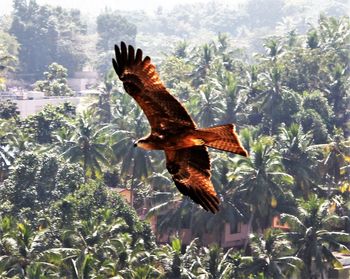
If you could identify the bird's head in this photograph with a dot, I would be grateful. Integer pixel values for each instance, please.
(144, 144)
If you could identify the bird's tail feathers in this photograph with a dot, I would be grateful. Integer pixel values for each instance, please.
(223, 137)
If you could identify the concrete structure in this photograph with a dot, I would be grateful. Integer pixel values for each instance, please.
(31, 106)
(31, 102)
(83, 80)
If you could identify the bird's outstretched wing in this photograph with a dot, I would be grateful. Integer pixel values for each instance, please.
(142, 82)
(190, 170)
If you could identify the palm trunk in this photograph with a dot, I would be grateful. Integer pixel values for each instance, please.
(84, 168)
(249, 230)
(132, 186)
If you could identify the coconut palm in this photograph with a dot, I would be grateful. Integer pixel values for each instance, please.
(21, 250)
(233, 208)
(220, 264)
(204, 55)
(336, 157)
(210, 108)
(299, 158)
(87, 147)
(270, 256)
(135, 163)
(260, 179)
(313, 238)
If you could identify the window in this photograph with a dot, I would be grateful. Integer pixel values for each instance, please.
(235, 227)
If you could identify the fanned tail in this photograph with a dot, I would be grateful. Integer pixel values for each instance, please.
(223, 137)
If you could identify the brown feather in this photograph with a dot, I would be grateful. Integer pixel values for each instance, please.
(222, 137)
(190, 170)
(142, 82)
(170, 122)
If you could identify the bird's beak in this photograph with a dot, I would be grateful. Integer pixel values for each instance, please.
(135, 143)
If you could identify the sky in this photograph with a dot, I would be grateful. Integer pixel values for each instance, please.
(96, 6)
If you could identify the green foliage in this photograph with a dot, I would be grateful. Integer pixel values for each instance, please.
(55, 83)
(87, 147)
(8, 109)
(112, 28)
(312, 121)
(270, 256)
(289, 105)
(49, 33)
(311, 233)
(36, 181)
(8, 56)
(319, 103)
(40, 126)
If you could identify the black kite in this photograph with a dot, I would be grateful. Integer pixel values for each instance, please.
(173, 130)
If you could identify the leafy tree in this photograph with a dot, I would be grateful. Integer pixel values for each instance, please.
(55, 83)
(8, 109)
(316, 101)
(8, 56)
(87, 147)
(94, 201)
(299, 157)
(40, 126)
(261, 177)
(313, 238)
(312, 121)
(46, 35)
(111, 29)
(270, 256)
(36, 181)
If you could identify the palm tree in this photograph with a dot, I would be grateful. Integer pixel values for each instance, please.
(104, 102)
(235, 99)
(6, 152)
(336, 156)
(270, 256)
(299, 158)
(260, 178)
(87, 147)
(136, 164)
(277, 102)
(179, 264)
(203, 56)
(313, 238)
(220, 264)
(210, 108)
(233, 209)
(21, 250)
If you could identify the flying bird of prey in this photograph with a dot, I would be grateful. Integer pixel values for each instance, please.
(173, 130)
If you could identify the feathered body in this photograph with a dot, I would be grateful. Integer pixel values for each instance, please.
(173, 130)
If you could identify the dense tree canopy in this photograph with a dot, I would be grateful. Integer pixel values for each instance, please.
(55, 83)
(61, 169)
(47, 34)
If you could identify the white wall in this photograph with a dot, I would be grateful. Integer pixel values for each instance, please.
(28, 107)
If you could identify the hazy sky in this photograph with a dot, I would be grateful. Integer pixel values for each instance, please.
(96, 6)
